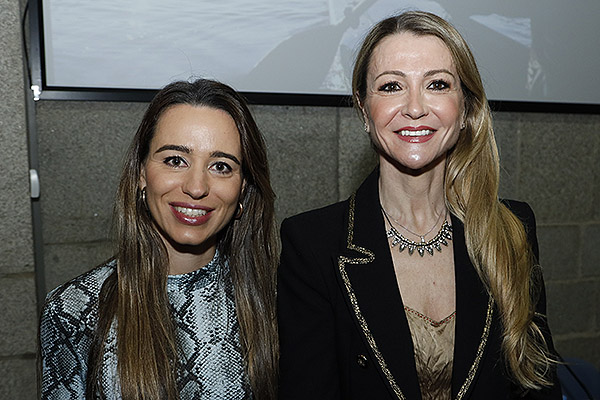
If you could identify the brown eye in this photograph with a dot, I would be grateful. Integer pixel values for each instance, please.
(390, 87)
(175, 161)
(221, 167)
(439, 85)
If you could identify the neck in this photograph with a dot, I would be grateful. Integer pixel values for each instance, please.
(414, 198)
(184, 259)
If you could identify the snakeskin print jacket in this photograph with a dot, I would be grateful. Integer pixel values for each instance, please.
(203, 309)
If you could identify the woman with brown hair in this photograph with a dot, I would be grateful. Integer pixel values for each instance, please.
(185, 309)
(423, 284)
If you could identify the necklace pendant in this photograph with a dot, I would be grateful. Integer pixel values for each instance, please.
(441, 238)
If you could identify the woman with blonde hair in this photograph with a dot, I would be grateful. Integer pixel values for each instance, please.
(423, 284)
(186, 308)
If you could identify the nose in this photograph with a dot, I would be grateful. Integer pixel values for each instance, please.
(415, 106)
(196, 184)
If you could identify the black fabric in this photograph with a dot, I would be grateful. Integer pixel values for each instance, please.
(324, 351)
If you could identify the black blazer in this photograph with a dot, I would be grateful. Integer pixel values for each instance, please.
(343, 330)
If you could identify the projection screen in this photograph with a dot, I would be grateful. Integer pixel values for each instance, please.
(528, 51)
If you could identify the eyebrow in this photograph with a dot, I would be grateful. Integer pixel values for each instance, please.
(175, 147)
(187, 150)
(222, 154)
(427, 74)
(438, 71)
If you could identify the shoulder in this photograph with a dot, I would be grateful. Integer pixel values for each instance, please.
(329, 226)
(85, 287)
(67, 325)
(76, 301)
(318, 220)
(522, 211)
(525, 214)
(519, 208)
(320, 231)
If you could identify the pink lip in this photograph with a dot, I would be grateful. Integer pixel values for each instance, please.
(415, 139)
(416, 128)
(186, 219)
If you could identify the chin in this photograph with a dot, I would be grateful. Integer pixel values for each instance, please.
(192, 241)
(412, 161)
(419, 161)
(417, 165)
(187, 240)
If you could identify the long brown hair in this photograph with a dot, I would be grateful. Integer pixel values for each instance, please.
(495, 237)
(135, 296)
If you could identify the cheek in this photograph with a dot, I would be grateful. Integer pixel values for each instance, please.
(382, 111)
(158, 182)
(157, 187)
(448, 110)
(453, 139)
(230, 193)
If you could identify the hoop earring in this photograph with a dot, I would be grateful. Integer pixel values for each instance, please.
(240, 211)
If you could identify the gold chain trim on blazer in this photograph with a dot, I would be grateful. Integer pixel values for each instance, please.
(369, 257)
(361, 319)
(480, 349)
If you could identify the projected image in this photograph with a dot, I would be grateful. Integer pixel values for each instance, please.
(525, 53)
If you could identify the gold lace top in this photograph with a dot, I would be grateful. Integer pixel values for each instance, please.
(434, 349)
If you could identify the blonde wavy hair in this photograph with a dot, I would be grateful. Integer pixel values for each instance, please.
(496, 239)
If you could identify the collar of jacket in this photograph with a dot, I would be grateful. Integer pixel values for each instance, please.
(367, 274)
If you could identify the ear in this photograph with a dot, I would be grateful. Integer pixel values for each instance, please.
(361, 106)
(142, 183)
(243, 190)
(365, 115)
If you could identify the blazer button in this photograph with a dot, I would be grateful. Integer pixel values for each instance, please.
(362, 361)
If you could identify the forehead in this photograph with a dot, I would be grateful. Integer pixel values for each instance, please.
(408, 52)
(196, 126)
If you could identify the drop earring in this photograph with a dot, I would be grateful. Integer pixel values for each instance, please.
(144, 200)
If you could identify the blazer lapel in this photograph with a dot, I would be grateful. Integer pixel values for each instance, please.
(368, 276)
(474, 312)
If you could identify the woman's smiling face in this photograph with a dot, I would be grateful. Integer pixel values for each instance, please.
(414, 104)
(193, 175)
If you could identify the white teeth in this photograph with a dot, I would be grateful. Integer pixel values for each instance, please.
(191, 212)
(423, 132)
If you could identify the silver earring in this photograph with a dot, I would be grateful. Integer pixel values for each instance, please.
(144, 197)
(366, 127)
(462, 126)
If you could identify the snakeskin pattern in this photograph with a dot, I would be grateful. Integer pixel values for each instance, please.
(211, 365)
